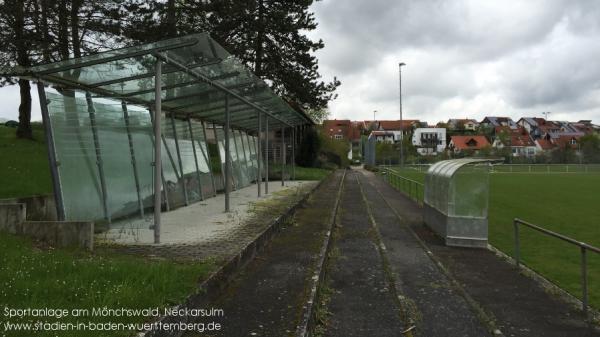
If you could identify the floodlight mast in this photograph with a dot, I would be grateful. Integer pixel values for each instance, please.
(400, 65)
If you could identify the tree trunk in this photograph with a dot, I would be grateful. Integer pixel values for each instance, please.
(24, 129)
(171, 19)
(260, 32)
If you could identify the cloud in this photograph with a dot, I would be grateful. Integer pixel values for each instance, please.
(463, 57)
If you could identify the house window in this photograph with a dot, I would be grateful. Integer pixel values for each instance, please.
(339, 137)
(573, 141)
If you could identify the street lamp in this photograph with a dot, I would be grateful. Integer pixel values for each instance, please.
(401, 124)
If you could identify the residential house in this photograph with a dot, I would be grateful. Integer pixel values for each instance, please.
(464, 124)
(429, 141)
(468, 143)
(390, 137)
(340, 129)
(518, 140)
(587, 126)
(491, 121)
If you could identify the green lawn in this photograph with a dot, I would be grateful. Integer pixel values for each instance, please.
(24, 170)
(302, 173)
(563, 202)
(71, 279)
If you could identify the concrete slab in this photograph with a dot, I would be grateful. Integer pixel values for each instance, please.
(200, 222)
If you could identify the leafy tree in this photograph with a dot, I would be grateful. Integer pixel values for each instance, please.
(310, 146)
(269, 37)
(590, 148)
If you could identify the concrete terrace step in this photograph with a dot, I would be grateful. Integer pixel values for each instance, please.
(268, 296)
(516, 304)
(362, 303)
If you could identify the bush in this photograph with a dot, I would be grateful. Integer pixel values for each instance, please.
(310, 146)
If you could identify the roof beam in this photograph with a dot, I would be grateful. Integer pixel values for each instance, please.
(151, 74)
(204, 78)
(95, 61)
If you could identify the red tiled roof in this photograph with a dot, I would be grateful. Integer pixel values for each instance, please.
(469, 142)
(397, 125)
(563, 141)
(521, 140)
(544, 144)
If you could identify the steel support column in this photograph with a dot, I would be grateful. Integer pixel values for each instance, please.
(132, 155)
(293, 153)
(157, 155)
(162, 173)
(282, 156)
(219, 149)
(266, 154)
(92, 114)
(57, 188)
(207, 157)
(227, 156)
(259, 154)
(198, 176)
(181, 176)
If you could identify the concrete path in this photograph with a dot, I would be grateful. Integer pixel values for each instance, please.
(199, 222)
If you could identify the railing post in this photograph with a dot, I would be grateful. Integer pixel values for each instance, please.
(584, 288)
(517, 244)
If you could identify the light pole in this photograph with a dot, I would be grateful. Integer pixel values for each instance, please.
(401, 124)
(374, 112)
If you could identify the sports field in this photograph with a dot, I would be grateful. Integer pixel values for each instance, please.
(566, 203)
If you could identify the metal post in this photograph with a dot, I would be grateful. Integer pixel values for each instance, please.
(196, 158)
(282, 156)
(58, 199)
(157, 155)
(401, 124)
(517, 244)
(227, 160)
(237, 156)
(181, 176)
(259, 154)
(584, 287)
(92, 114)
(133, 161)
(293, 153)
(219, 149)
(162, 174)
(208, 159)
(249, 140)
(266, 154)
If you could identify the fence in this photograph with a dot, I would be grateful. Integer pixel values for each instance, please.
(523, 168)
(413, 189)
(584, 247)
(546, 168)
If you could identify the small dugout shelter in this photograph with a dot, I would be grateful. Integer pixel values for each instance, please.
(156, 126)
(456, 201)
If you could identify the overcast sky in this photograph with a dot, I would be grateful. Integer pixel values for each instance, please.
(468, 58)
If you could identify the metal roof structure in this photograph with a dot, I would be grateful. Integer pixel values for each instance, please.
(197, 75)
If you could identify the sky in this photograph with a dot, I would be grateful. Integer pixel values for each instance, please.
(464, 59)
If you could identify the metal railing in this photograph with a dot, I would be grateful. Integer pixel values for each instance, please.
(413, 189)
(546, 168)
(584, 247)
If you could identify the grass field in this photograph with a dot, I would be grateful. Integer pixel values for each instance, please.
(24, 170)
(32, 277)
(563, 202)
